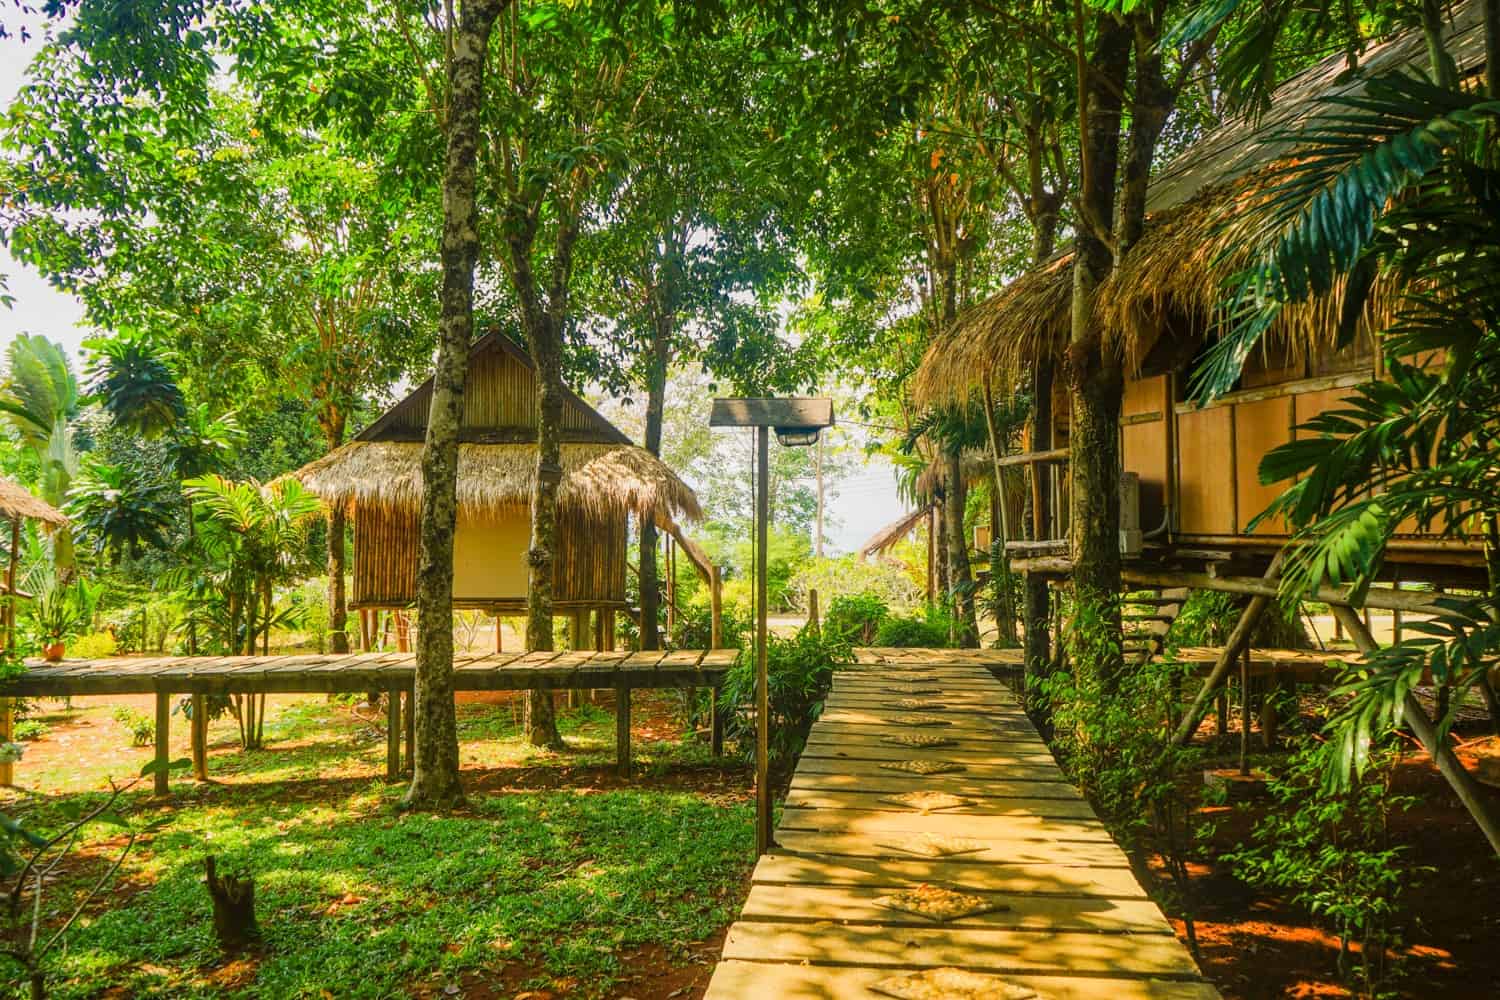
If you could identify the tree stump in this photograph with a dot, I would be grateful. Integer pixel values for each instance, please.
(234, 908)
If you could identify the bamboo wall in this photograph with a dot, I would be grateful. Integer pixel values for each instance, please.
(489, 559)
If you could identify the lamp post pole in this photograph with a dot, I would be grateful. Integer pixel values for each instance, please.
(762, 686)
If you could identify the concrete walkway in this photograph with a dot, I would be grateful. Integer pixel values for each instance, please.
(930, 849)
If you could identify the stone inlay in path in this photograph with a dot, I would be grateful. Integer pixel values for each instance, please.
(930, 704)
(921, 741)
(953, 984)
(935, 903)
(927, 801)
(921, 719)
(933, 845)
(923, 767)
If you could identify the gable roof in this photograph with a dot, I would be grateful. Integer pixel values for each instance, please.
(499, 404)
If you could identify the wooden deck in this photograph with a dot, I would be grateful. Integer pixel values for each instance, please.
(1053, 905)
(393, 673)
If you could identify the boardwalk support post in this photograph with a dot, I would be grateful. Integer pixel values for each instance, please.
(715, 723)
(163, 730)
(199, 731)
(622, 729)
(392, 734)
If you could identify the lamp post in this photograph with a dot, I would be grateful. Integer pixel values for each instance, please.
(797, 422)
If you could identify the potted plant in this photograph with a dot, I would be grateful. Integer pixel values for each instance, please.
(56, 614)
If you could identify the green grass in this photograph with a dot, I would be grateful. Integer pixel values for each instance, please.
(356, 899)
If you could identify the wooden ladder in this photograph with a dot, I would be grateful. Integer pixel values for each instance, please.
(1146, 619)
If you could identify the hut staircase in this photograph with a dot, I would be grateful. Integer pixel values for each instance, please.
(1147, 617)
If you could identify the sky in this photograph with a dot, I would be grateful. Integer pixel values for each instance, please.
(864, 503)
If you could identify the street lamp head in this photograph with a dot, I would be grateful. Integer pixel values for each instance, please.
(797, 437)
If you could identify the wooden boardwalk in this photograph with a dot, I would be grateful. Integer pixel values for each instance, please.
(392, 673)
(1024, 891)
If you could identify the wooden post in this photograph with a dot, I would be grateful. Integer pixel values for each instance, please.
(7, 734)
(762, 697)
(1222, 705)
(715, 724)
(366, 642)
(392, 734)
(812, 609)
(622, 729)
(410, 718)
(715, 608)
(932, 555)
(499, 640)
(403, 632)
(199, 730)
(1415, 716)
(163, 749)
(10, 584)
(671, 586)
(1245, 714)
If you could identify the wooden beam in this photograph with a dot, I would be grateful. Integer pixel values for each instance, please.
(1034, 457)
(1375, 597)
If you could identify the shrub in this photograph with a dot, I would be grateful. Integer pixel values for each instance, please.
(799, 671)
(94, 646)
(850, 576)
(856, 618)
(30, 729)
(694, 627)
(1331, 852)
(932, 629)
(141, 727)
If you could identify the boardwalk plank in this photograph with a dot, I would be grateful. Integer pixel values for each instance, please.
(736, 980)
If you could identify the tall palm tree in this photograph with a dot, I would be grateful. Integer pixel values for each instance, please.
(39, 397)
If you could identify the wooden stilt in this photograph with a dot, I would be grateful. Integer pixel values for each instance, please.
(1245, 714)
(622, 730)
(403, 632)
(163, 747)
(715, 724)
(392, 735)
(715, 609)
(410, 718)
(199, 731)
(1222, 706)
(7, 734)
(499, 640)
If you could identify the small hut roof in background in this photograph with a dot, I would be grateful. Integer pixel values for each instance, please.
(599, 478)
(892, 533)
(1180, 265)
(18, 502)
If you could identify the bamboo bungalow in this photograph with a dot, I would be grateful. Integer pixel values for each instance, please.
(606, 480)
(1190, 480)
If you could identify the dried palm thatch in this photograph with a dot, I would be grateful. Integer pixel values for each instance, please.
(603, 480)
(892, 533)
(1177, 275)
(18, 502)
(997, 339)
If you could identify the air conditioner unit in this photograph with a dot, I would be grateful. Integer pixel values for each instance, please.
(1130, 514)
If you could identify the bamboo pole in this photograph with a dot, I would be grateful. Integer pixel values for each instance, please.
(1414, 715)
(1375, 597)
(1238, 642)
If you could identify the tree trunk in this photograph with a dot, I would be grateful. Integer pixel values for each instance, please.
(332, 421)
(435, 779)
(234, 908)
(958, 555)
(1095, 376)
(1038, 652)
(546, 351)
(656, 397)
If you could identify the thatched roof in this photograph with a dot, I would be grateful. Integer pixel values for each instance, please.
(893, 532)
(601, 479)
(1179, 267)
(17, 501)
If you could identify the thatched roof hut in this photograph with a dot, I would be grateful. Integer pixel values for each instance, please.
(1172, 281)
(892, 533)
(17, 503)
(377, 479)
